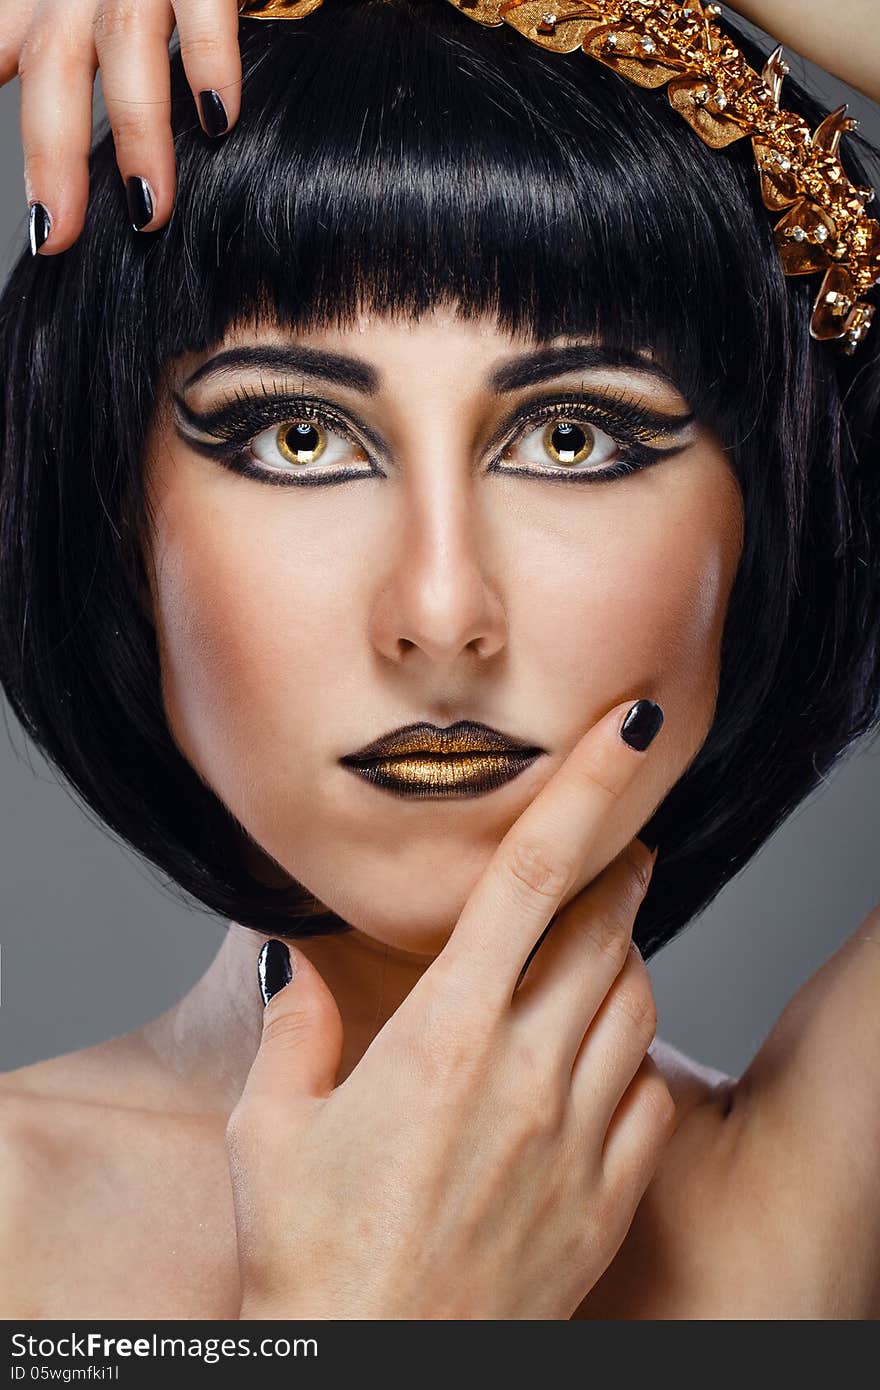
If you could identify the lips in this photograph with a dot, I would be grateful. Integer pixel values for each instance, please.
(424, 760)
(464, 739)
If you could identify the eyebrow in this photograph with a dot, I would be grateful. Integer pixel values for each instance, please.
(361, 376)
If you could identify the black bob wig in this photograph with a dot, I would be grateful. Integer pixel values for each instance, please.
(390, 155)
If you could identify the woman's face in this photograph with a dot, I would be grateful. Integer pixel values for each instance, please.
(456, 562)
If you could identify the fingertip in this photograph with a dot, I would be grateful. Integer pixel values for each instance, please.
(213, 113)
(275, 968)
(53, 231)
(141, 202)
(39, 226)
(147, 211)
(642, 724)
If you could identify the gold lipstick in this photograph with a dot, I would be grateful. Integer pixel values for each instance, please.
(424, 760)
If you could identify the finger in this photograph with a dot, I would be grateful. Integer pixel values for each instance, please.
(56, 71)
(300, 1050)
(642, 1126)
(131, 41)
(614, 1045)
(15, 20)
(543, 855)
(208, 31)
(584, 951)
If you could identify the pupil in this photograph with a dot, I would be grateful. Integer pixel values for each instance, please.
(302, 438)
(568, 441)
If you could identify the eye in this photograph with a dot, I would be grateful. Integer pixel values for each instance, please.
(271, 437)
(566, 441)
(298, 443)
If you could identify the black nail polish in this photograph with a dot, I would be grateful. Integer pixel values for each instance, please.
(648, 839)
(214, 117)
(39, 226)
(140, 201)
(642, 724)
(273, 968)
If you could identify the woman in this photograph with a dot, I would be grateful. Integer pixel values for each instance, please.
(199, 650)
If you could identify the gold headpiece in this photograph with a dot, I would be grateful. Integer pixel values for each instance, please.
(711, 85)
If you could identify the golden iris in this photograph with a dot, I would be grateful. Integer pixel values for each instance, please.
(300, 441)
(561, 440)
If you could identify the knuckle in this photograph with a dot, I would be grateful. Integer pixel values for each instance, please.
(641, 864)
(205, 44)
(532, 866)
(116, 19)
(30, 54)
(242, 1125)
(609, 933)
(285, 1029)
(544, 1116)
(538, 1106)
(42, 43)
(131, 126)
(634, 998)
(441, 1056)
(657, 1102)
(594, 771)
(445, 1042)
(533, 1090)
(235, 1127)
(527, 1069)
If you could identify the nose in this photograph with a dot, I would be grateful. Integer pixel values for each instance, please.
(439, 596)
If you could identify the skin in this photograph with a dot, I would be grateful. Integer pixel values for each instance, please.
(425, 594)
(435, 584)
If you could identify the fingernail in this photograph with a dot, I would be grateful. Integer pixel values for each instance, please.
(642, 724)
(140, 201)
(273, 968)
(648, 838)
(39, 226)
(214, 117)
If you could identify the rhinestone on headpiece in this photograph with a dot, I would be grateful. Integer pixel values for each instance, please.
(654, 43)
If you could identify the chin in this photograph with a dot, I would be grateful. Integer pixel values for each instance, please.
(422, 930)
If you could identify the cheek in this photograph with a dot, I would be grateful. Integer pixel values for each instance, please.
(247, 626)
(658, 605)
(644, 598)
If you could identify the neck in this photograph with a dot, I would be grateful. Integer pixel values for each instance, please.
(207, 1041)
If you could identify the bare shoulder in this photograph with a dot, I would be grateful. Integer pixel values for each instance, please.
(104, 1073)
(810, 1097)
(48, 1111)
(102, 1171)
(32, 1144)
(818, 1070)
(107, 1207)
(808, 1119)
(65, 1122)
(766, 1200)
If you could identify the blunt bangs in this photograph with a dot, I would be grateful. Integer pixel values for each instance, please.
(390, 157)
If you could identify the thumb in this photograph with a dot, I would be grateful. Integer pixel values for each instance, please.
(300, 1051)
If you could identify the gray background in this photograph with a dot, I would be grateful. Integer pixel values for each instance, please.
(95, 943)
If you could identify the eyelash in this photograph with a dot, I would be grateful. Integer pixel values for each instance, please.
(249, 412)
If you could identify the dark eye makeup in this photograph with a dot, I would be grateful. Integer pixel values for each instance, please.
(228, 430)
